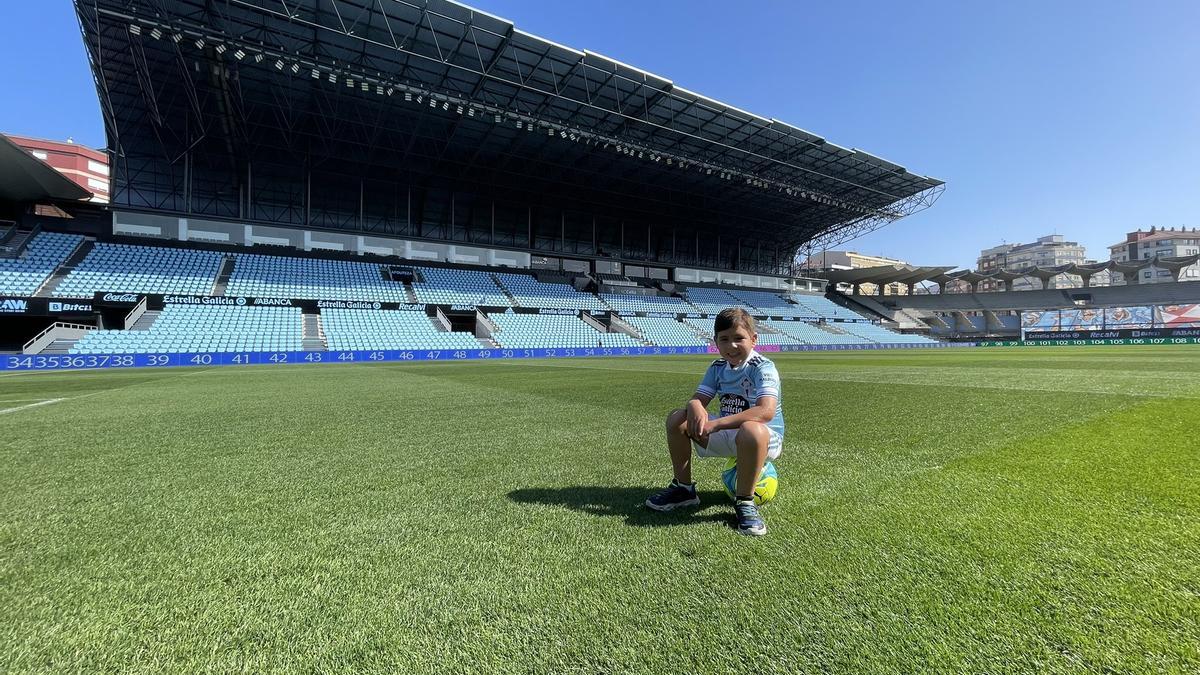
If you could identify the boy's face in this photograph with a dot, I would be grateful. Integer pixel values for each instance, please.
(736, 343)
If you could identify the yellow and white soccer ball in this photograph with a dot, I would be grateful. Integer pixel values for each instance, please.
(764, 489)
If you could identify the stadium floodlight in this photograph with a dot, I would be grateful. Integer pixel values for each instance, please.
(221, 48)
(135, 29)
(278, 64)
(156, 33)
(199, 43)
(239, 55)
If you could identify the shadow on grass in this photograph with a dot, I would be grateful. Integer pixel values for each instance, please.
(628, 503)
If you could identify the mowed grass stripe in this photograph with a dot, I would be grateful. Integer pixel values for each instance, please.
(484, 517)
(1172, 385)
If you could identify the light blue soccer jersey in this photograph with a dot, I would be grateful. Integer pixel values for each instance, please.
(736, 388)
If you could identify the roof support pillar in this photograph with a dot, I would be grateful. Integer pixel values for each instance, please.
(307, 196)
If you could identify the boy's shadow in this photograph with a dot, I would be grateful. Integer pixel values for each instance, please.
(628, 503)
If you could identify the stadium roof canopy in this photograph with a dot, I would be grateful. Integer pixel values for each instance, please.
(322, 112)
(886, 274)
(24, 178)
(881, 275)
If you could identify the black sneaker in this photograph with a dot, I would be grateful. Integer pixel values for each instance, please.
(674, 496)
(749, 522)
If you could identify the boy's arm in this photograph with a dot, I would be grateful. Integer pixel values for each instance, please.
(762, 411)
(697, 414)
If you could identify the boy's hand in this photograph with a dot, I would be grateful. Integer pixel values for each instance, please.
(697, 420)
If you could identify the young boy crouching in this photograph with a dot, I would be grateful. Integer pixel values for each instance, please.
(748, 427)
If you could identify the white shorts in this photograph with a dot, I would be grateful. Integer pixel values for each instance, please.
(724, 444)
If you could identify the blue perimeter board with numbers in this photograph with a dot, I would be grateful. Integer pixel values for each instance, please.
(86, 361)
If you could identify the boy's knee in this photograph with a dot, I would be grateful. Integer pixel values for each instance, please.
(752, 433)
(676, 419)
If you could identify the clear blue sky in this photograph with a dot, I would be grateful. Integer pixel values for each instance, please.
(1077, 118)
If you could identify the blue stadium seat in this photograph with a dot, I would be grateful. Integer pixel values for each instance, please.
(125, 268)
(665, 332)
(628, 303)
(361, 329)
(538, 331)
(204, 328)
(277, 276)
(23, 275)
(530, 292)
(442, 286)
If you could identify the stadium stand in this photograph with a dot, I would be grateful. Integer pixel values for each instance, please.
(353, 329)
(23, 275)
(710, 300)
(535, 331)
(277, 276)
(881, 335)
(771, 304)
(824, 308)
(767, 336)
(665, 332)
(702, 326)
(809, 334)
(124, 268)
(529, 292)
(615, 279)
(127, 268)
(203, 328)
(445, 286)
(627, 303)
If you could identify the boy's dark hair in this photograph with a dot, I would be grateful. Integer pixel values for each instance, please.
(734, 316)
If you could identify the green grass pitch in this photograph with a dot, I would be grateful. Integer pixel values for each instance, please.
(1031, 510)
